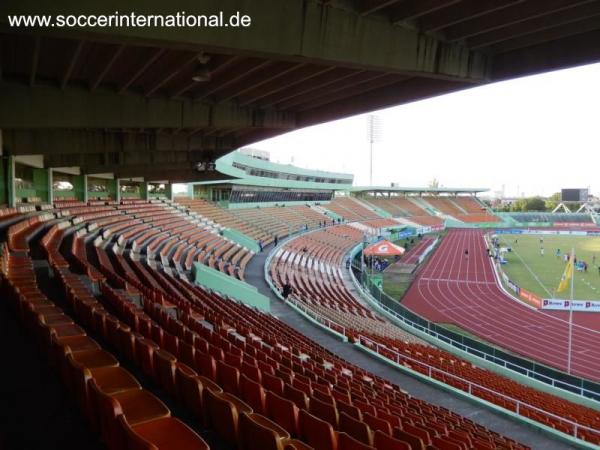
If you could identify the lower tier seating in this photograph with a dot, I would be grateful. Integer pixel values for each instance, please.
(252, 380)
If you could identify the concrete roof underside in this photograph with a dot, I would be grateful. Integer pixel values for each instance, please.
(417, 190)
(122, 100)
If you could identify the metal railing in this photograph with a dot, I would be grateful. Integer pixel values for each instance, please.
(520, 407)
(515, 405)
(539, 372)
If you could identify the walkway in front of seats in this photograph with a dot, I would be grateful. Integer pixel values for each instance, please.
(521, 432)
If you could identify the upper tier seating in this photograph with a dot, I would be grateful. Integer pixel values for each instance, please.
(224, 217)
(281, 220)
(350, 209)
(380, 223)
(466, 209)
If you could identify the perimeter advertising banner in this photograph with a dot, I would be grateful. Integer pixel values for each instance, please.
(557, 304)
(530, 298)
(575, 224)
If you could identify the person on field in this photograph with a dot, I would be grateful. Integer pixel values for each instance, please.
(542, 251)
(558, 252)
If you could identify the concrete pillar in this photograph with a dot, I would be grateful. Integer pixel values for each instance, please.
(10, 182)
(118, 193)
(145, 191)
(85, 188)
(50, 183)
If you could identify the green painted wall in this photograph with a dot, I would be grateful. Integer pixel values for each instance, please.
(77, 191)
(241, 239)
(110, 192)
(4, 179)
(39, 187)
(165, 194)
(229, 286)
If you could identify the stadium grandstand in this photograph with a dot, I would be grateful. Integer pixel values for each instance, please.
(247, 312)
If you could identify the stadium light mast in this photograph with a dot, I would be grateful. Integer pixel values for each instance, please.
(570, 344)
(374, 130)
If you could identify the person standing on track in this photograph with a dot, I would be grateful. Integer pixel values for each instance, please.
(466, 253)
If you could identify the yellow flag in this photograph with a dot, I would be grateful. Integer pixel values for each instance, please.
(567, 275)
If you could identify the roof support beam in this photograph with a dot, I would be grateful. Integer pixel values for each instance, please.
(350, 87)
(465, 10)
(296, 96)
(108, 66)
(262, 82)
(369, 6)
(215, 72)
(509, 16)
(67, 76)
(49, 107)
(357, 89)
(155, 56)
(284, 86)
(401, 92)
(254, 67)
(563, 17)
(414, 9)
(176, 71)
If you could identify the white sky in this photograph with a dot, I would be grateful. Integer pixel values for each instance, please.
(533, 135)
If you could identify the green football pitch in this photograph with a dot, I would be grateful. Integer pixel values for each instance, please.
(541, 274)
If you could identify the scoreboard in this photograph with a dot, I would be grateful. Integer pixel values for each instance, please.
(574, 195)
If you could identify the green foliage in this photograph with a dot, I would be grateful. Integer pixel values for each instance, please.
(529, 204)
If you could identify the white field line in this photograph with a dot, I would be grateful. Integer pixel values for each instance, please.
(532, 273)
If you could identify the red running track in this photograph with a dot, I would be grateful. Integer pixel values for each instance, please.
(463, 290)
(413, 254)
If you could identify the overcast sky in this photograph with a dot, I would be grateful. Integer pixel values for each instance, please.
(532, 135)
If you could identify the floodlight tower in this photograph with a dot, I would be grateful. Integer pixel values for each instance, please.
(374, 130)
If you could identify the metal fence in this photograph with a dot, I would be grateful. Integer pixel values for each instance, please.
(524, 366)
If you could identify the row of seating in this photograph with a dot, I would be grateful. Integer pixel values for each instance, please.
(497, 388)
(350, 209)
(311, 264)
(380, 223)
(397, 206)
(228, 322)
(281, 220)
(291, 265)
(222, 339)
(466, 209)
(224, 217)
(127, 416)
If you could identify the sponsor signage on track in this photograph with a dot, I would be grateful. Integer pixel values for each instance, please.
(557, 304)
(530, 298)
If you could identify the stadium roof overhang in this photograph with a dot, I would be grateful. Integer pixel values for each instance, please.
(124, 100)
(417, 190)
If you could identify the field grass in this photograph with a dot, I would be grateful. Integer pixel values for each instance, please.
(541, 274)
